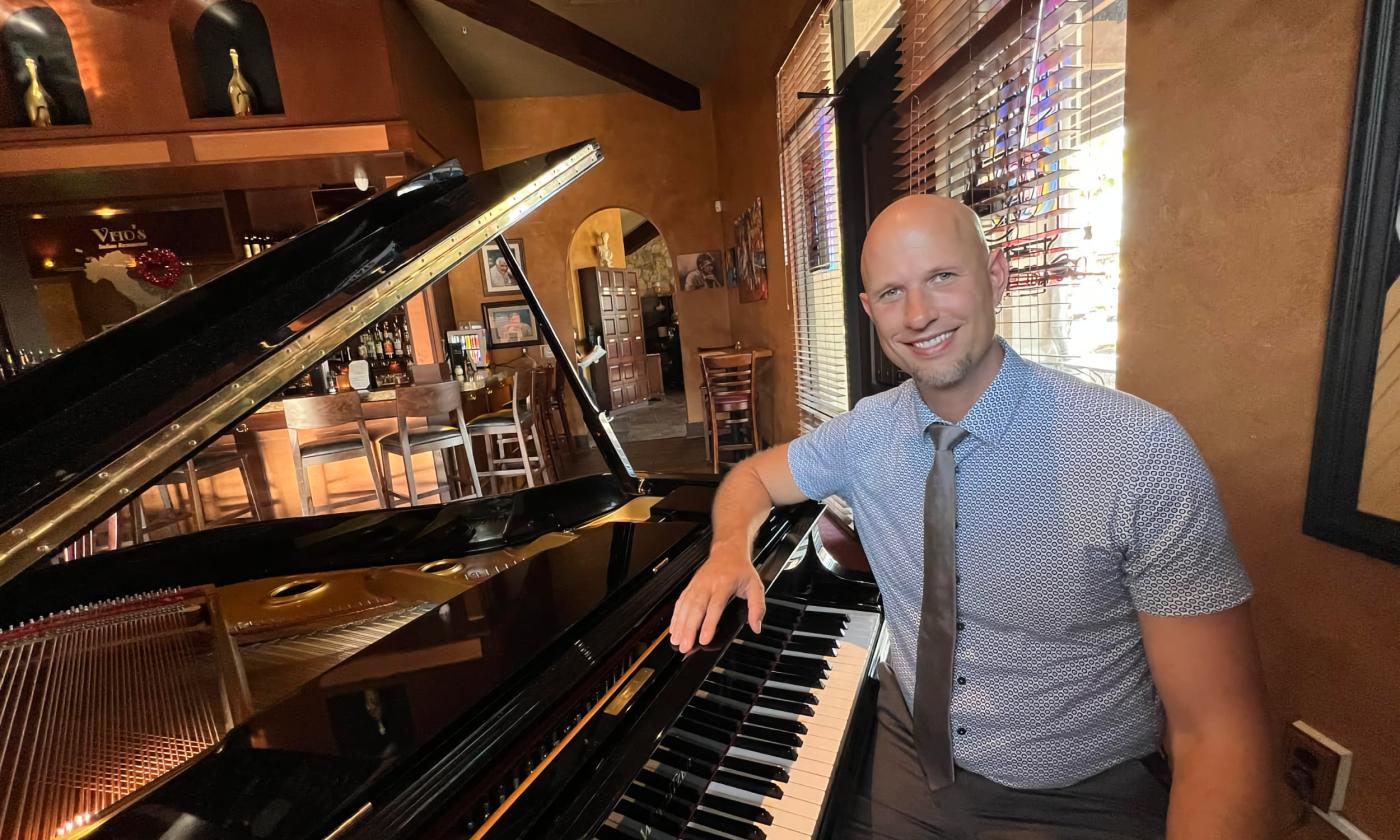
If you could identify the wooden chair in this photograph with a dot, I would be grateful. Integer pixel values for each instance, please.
(321, 413)
(435, 401)
(512, 425)
(190, 513)
(730, 403)
(705, 394)
(539, 411)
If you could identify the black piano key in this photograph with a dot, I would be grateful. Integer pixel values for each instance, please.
(812, 645)
(671, 758)
(750, 767)
(757, 657)
(799, 662)
(827, 624)
(796, 727)
(767, 748)
(730, 680)
(788, 694)
(807, 680)
(747, 669)
(715, 707)
(751, 785)
(690, 748)
(607, 832)
(729, 825)
(787, 706)
(727, 675)
(717, 722)
(699, 730)
(715, 690)
(758, 645)
(772, 736)
(772, 637)
(681, 787)
(669, 805)
(737, 809)
(779, 613)
(649, 817)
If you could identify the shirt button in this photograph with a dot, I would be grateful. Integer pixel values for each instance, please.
(962, 731)
(962, 680)
(962, 626)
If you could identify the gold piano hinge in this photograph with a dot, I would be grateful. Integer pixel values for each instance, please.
(608, 699)
(623, 697)
(342, 829)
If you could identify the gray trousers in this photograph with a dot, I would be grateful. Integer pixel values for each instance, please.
(1125, 802)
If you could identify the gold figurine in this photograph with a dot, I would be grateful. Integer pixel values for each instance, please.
(240, 93)
(38, 105)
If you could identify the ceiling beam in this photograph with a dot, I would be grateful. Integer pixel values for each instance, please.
(639, 236)
(536, 25)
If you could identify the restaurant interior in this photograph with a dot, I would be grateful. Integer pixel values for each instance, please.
(1202, 220)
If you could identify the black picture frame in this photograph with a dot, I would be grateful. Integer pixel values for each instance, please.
(1368, 262)
(495, 340)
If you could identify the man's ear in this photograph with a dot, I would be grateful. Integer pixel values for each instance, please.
(865, 304)
(999, 272)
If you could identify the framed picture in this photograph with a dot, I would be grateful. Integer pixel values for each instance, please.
(753, 254)
(704, 270)
(510, 323)
(1353, 493)
(496, 278)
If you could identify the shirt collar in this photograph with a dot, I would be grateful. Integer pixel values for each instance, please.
(991, 415)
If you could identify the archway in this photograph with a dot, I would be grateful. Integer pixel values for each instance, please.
(628, 306)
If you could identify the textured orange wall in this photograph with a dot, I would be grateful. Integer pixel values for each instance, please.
(659, 162)
(746, 137)
(1239, 115)
(431, 97)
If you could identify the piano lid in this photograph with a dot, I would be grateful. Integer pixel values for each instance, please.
(82, 433)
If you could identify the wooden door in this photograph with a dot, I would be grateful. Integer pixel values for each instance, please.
(620, 304)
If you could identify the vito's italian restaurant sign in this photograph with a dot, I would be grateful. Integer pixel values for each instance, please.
(65, 243)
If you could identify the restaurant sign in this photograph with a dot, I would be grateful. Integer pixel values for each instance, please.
(56, 244)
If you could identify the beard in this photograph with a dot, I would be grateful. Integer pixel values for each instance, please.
(945, 376)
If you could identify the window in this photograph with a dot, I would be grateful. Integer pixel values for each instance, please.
(811, 225)
(1015, 107)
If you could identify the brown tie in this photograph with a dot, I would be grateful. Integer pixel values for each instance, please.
(938, 626)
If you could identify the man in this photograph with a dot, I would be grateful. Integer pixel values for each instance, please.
(1060, 566)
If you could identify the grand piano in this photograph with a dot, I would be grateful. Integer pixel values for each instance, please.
(485, 668)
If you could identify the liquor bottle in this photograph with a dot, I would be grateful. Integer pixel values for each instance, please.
(388, 339)
(38, 105)
(240, 93)
(407, 346)
(398, 337)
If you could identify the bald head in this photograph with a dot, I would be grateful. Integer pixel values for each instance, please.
(922, 223)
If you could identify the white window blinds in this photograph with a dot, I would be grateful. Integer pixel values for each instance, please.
(1015, 107)
(811, 223)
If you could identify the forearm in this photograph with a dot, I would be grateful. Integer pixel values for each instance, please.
(741, 504)
(1222, 786)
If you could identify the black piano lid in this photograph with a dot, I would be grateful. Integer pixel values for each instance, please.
(294, 768)
(62, 425)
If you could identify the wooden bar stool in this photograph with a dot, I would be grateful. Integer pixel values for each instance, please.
(513, 425)
(436, 401)
(539, 410)
(558, 413)
(213, 461)
(320, 413)
(730, 403)
(705, 393)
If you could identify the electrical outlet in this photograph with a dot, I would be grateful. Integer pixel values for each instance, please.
(1318, 767)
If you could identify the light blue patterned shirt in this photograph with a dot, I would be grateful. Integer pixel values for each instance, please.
(1078, 507)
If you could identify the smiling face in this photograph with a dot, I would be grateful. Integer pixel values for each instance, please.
(931, 289)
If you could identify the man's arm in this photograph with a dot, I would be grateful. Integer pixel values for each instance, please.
(744, 499)
(1207, 672)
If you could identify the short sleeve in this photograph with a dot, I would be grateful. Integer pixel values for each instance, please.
(1180, 560)
(818, 459)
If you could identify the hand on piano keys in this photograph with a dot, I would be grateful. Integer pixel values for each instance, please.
(753, 753)
(727, 574)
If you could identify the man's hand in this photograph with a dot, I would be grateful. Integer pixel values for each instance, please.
(743, 501)
(728, 573)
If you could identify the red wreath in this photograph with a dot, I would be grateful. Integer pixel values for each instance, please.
(159, 267)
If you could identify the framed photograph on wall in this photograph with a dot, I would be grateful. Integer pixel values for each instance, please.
(510, 323)
(496, 278)
(700, 271)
